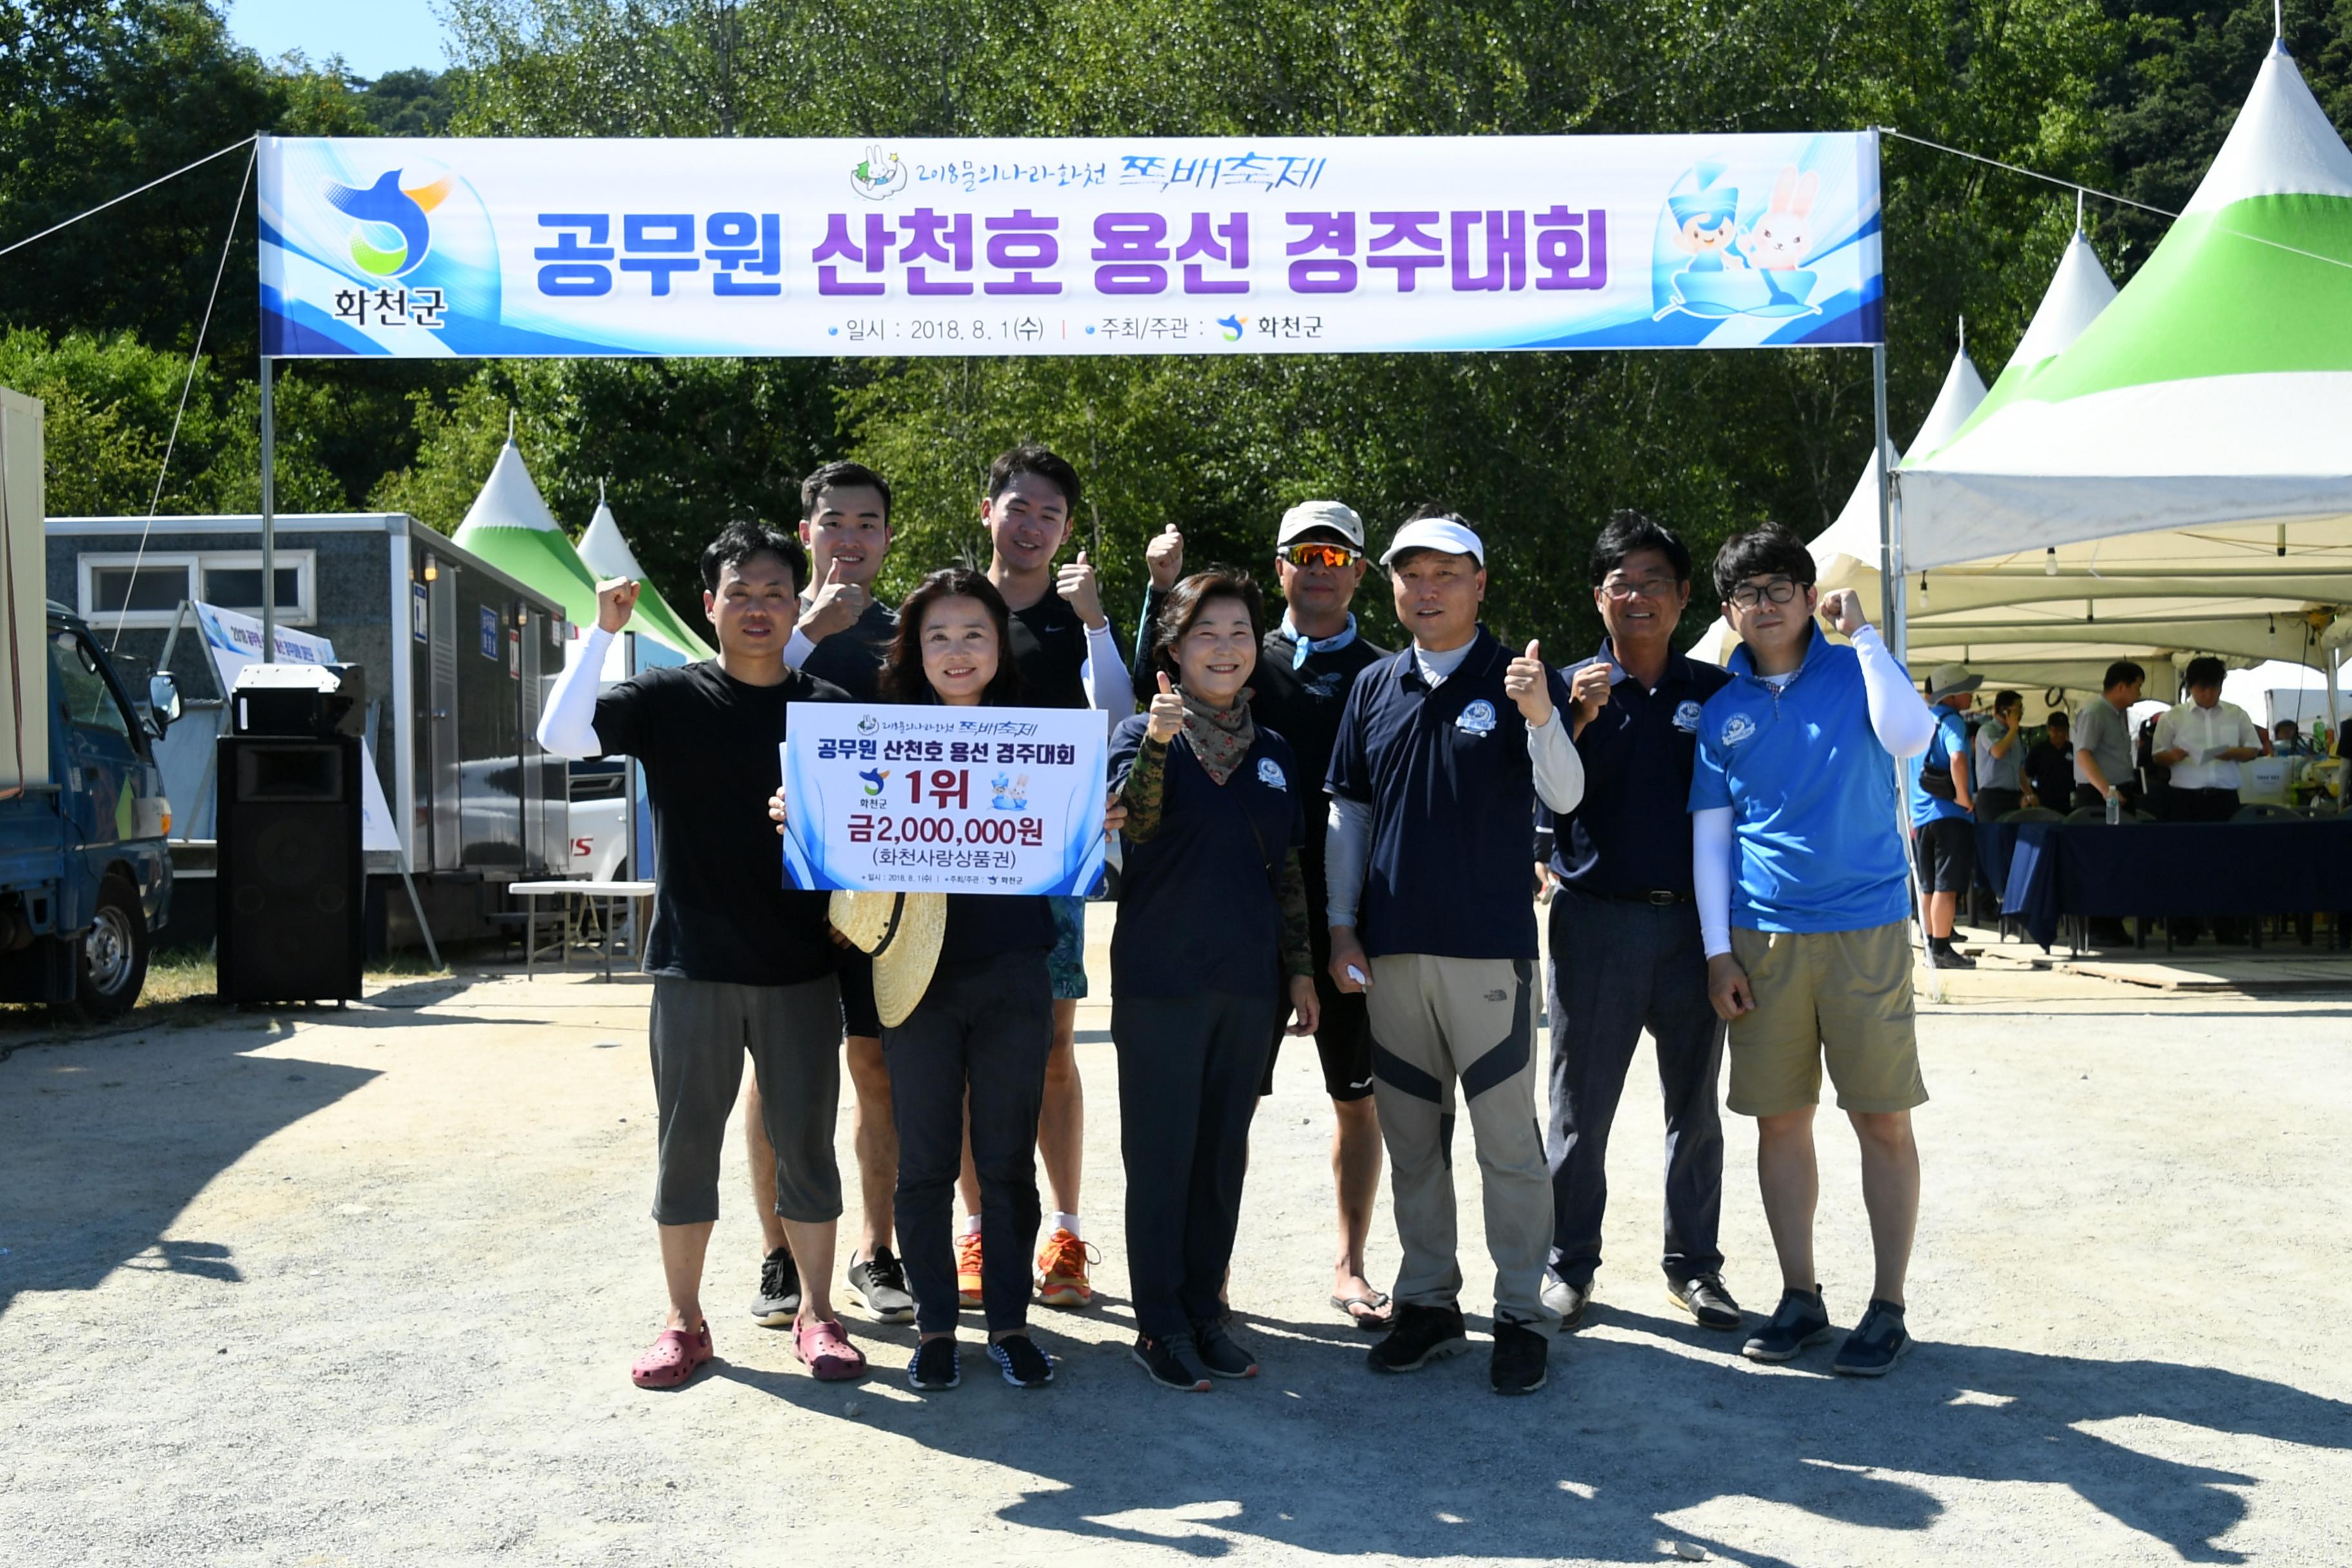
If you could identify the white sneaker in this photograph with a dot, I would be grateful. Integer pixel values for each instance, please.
(1566, 1300)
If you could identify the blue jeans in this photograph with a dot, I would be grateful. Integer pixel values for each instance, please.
(1617, 969)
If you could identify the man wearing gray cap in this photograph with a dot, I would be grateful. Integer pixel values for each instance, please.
(1442, 752)
(1304, 670)
(1943, 821)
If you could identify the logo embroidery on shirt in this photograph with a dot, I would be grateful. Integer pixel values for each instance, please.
(1269, 773)
(1740, 726)
(1686, 718)
(1478, 719)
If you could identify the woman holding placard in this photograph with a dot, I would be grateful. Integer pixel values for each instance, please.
(966, 1008)
(1210, 953)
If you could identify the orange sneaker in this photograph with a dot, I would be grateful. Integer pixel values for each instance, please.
(968, 1269)
(1061, 1271)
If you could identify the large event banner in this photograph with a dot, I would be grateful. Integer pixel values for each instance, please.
(443, 246)
(952, 800)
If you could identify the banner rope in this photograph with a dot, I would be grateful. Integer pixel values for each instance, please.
(126, 195)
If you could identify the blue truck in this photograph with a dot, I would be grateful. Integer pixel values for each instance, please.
(84, 873)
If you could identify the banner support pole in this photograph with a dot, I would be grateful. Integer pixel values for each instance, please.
(1892, 598)
(268, 519)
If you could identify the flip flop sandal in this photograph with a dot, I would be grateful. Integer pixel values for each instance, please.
(672, 1359)
(1378, 1301)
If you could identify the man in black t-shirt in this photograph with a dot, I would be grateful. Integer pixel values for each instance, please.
(1305, 669)
(2050, 764)
(1068, 658)
(843, 636)
(742, 963)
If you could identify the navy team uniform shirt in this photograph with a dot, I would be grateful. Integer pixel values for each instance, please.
(1200, 907)
(1814, 812)
(852, 657)
(1049, 649)
(1631, 834)
(1451, 790)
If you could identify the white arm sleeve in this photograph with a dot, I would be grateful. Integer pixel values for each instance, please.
(568, 727)
(1105, 673)
(1711, 852)
(1901, 717)
(1347, 845)
(796, 651)
(1560, 772)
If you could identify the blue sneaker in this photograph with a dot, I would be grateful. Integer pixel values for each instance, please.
(1876, 1343)
(1800, 1321)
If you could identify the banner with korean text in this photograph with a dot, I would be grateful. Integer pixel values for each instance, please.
(444, 247)
(950, 800)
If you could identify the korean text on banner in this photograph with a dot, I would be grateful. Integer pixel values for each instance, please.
(431, 248)
(955, 800)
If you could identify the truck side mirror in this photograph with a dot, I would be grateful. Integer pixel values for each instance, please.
(162, 703)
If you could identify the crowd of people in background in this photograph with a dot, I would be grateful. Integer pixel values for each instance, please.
(1319, 838)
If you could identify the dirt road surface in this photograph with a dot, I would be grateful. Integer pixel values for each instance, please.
(361, 1287)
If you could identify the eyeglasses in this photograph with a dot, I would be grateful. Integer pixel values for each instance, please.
(1638, 588)
(1779, 590)
(1335, 557)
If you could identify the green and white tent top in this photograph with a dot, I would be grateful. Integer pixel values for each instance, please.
(606, 553)
(2201, 424)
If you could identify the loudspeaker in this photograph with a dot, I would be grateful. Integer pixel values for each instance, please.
(290, 885)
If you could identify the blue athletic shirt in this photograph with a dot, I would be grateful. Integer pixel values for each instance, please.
(1200, 902)
(1452, 788)
(1951, 741)
(1814, 809)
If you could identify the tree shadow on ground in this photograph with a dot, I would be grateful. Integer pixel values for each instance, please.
(1322, 1455)
(108, 1140)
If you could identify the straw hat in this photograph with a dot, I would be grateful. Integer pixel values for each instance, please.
(902, 932)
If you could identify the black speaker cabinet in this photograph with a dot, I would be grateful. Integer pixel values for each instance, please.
(291, 887)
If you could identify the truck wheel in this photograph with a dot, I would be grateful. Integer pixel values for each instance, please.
(112, 966)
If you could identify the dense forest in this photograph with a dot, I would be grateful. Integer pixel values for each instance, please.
(99, 95)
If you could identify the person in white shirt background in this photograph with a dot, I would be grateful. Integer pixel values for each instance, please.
(2202, 741)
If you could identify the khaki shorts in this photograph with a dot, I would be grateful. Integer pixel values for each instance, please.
(1842, 996)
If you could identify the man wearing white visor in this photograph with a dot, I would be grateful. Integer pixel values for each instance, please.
(1442, 753)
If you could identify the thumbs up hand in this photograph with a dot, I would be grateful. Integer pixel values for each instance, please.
(1164, 559)
(1077, 584)
(836, 606)
(1167, 720)
(1527, 683)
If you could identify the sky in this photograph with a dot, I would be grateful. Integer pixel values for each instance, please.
(373, 35)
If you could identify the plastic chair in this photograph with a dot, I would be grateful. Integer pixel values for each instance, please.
(2098, 814)
(2039, 814)
(2263, 811)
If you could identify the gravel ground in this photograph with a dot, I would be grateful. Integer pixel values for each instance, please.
(362, 1286)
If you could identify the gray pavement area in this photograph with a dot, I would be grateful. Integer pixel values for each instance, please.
(362, 1287)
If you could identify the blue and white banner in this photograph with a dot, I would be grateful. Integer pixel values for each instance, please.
(441, 246)
(950, 800)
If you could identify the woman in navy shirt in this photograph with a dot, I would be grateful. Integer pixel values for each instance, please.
(979, 1036)
(1210, 953)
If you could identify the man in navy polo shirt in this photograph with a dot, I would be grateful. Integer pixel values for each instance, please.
(1442, 753)
(1804, 899)
(1625, 949)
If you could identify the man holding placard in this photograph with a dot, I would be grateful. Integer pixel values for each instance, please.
(742, 963)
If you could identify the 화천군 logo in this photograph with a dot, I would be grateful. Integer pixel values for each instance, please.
(391, 232)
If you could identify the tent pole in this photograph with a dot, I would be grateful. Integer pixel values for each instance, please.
(268, 520)
(1890, 540)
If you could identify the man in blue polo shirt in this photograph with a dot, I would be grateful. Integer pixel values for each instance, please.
(1442, 753)
(1805, 900)
(1625, 949)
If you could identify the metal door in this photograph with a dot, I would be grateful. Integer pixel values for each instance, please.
(441, 724)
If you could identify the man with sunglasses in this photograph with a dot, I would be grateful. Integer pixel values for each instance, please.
(1804, 901)
(1626, 954)
(1305, 667)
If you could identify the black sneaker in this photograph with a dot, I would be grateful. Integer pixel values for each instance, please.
(879, 1283)
(1022, 1363)
(1876, 1343)
(778, 1301)
(1521, 1358)
(1422, 1335)
(1219, 1353)
(1800, 1321)
(1947, 956)
(935, 1366)
(1173, 1362)
(1704, 1299)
